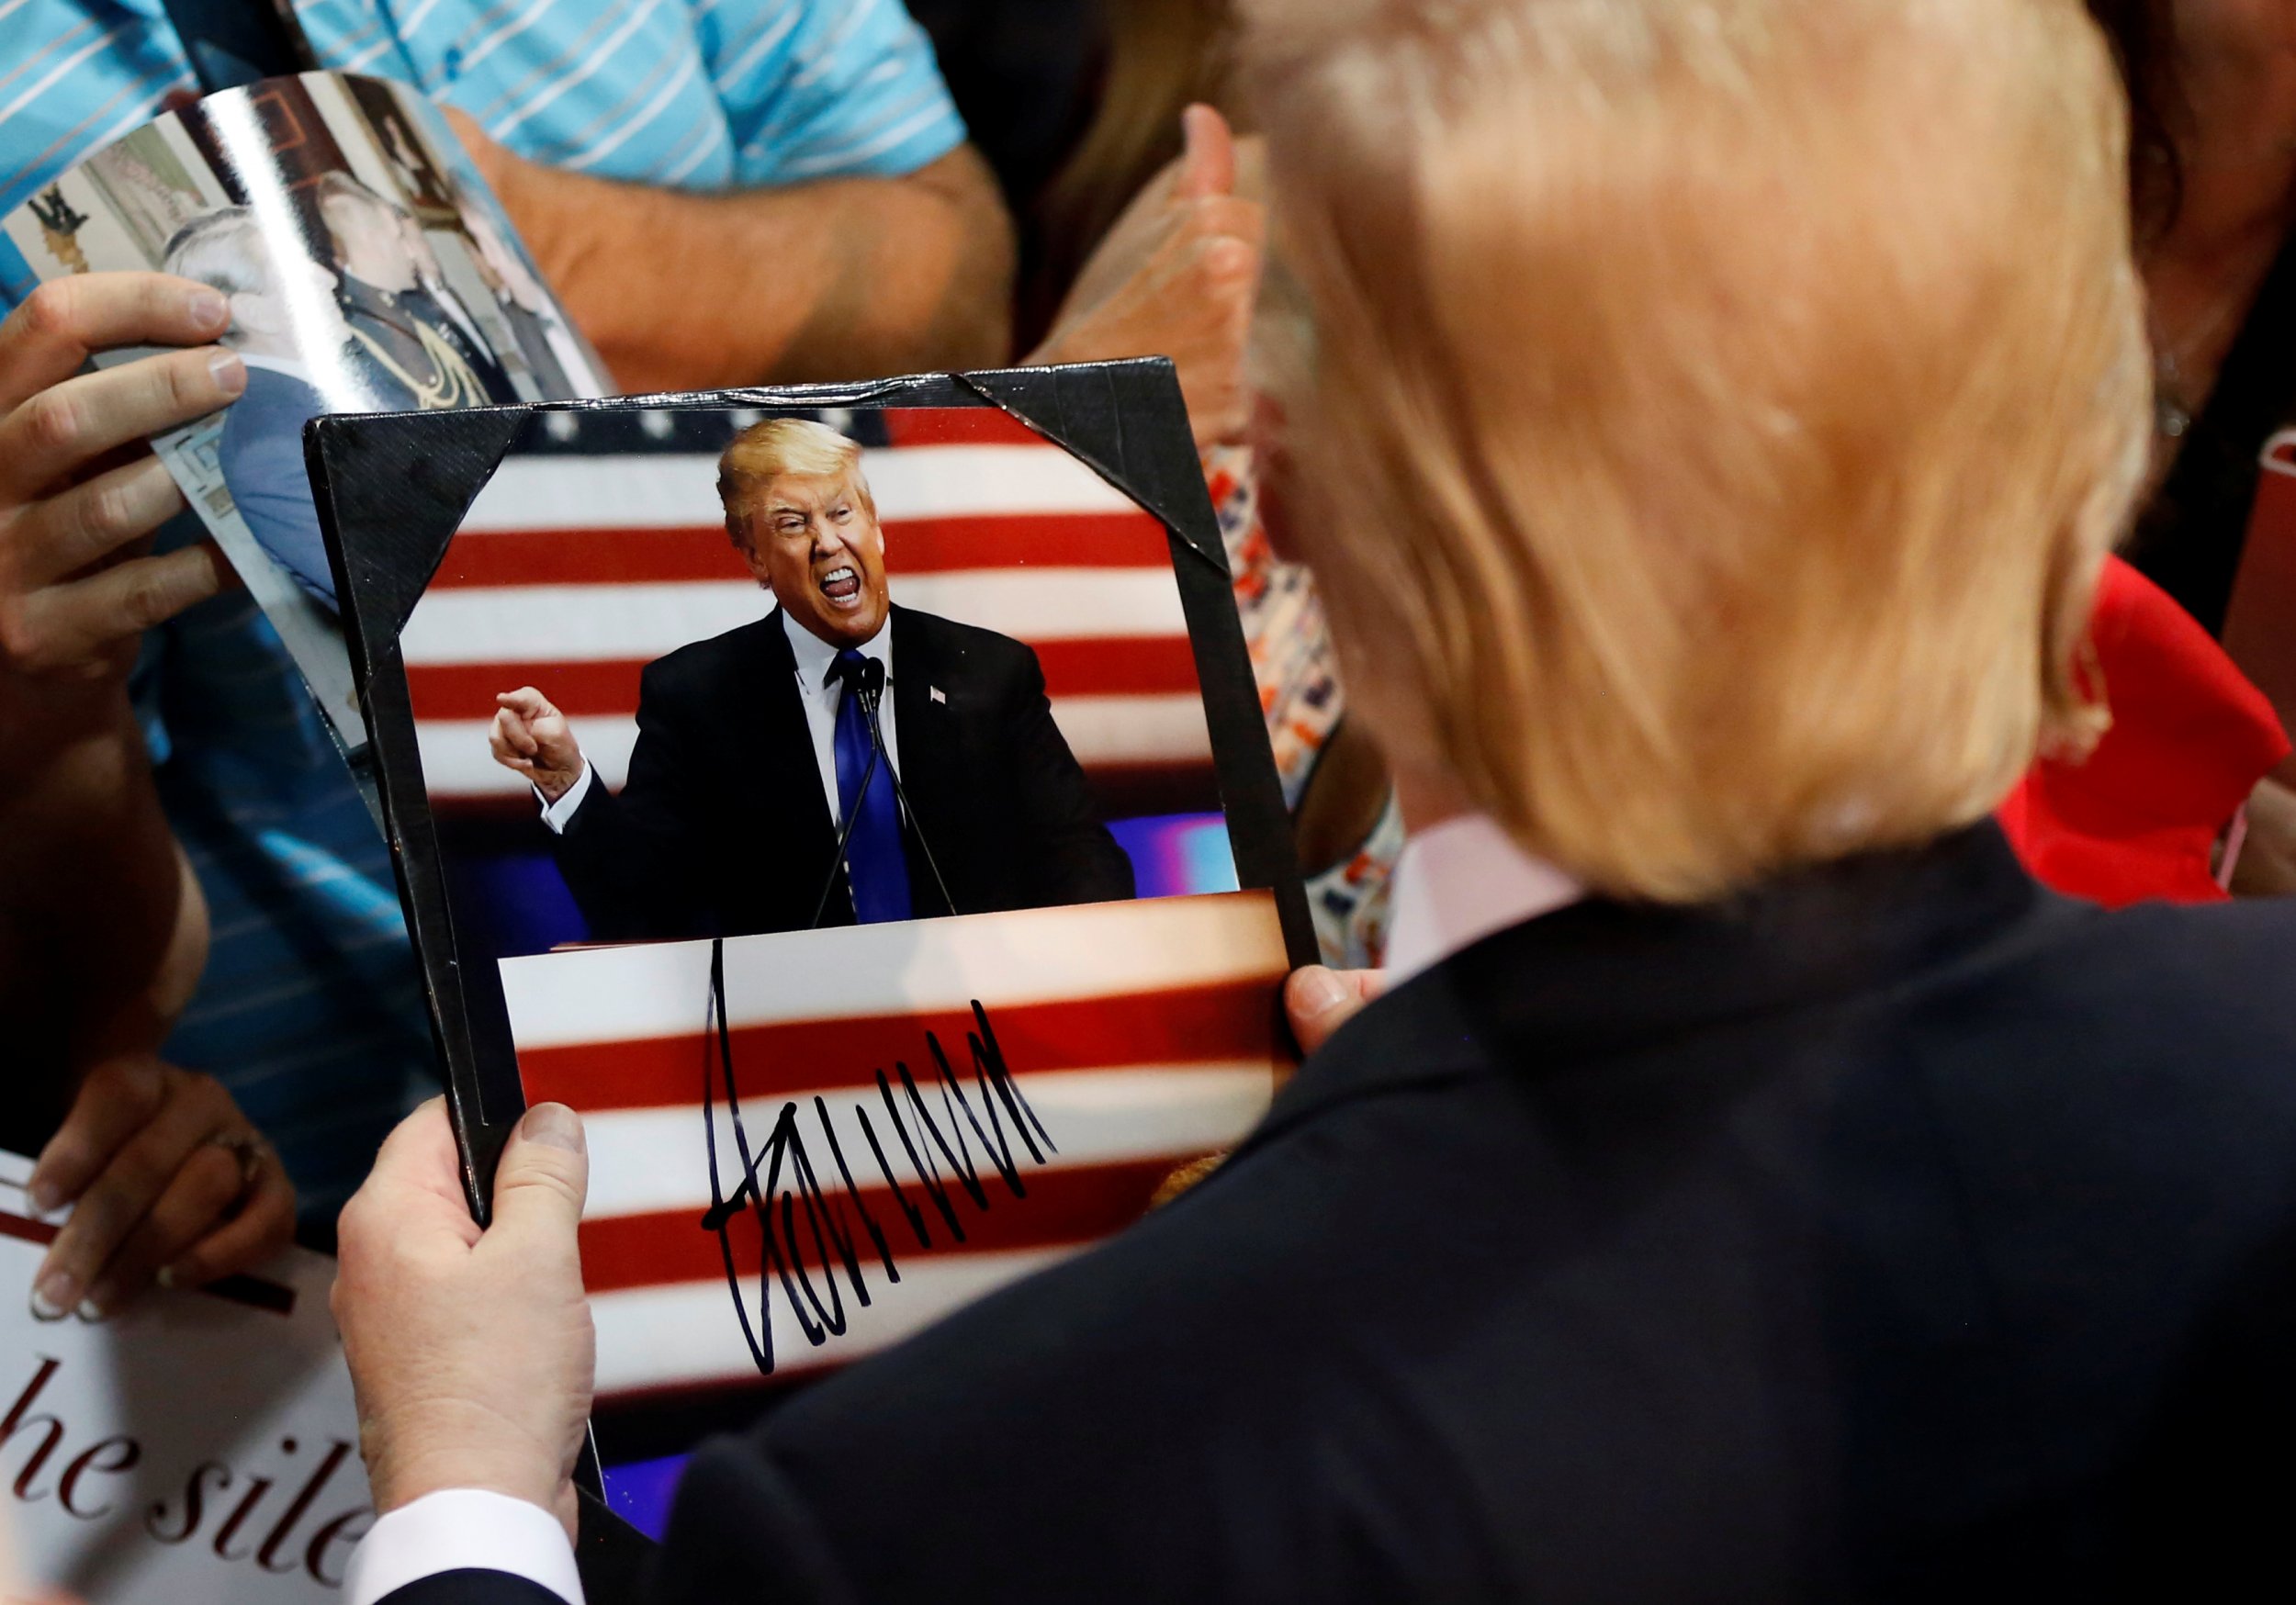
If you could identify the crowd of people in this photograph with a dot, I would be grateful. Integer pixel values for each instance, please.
(1734, 506)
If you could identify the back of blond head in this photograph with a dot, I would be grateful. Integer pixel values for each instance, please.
(1714, 411)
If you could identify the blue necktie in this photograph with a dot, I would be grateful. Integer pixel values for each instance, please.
(875, 865)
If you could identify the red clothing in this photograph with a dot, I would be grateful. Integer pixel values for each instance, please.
(2190, 739)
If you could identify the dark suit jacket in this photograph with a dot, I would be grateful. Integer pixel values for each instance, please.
(722, 828)
(1901, 1231)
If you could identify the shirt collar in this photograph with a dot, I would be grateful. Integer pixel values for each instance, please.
(1459, 882)
(1603, 979)
(813, 655)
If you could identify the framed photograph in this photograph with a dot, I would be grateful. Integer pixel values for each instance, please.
(857, 804)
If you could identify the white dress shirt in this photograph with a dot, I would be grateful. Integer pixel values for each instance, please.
(1456, 883)
(1459, 882)
(819, 698)
(462, 1530)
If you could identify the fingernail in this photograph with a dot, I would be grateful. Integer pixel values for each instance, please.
(54, 1295)
(228, 373)
(1320, 991)
(207, 308)
(554, 1124)
(46, 1195)
(89, 1312)
(166, 1278)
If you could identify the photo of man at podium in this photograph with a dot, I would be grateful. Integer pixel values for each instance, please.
(841, 760)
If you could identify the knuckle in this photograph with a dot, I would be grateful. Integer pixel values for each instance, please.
(147, 598)
(556, 1173)
(107, 516)
(53, 311)
(179, 377)
(51, 422)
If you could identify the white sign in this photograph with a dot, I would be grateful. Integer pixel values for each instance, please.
(197, 1449)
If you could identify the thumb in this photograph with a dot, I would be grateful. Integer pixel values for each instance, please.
(1318, 1002)
(544, 1176)
(1208, 168)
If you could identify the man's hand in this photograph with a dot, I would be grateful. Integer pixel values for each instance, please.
(533, 737)
(1318, 1002)
(77, 492)
(1178, 276)
(472, 1352)
(168, 1180)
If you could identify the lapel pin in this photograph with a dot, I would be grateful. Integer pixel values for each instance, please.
(937, 694)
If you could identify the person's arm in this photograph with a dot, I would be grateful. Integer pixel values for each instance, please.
(631, 860)
(103, 931)
(842, 279)
(96, 933)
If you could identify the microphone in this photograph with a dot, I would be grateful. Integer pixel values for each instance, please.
(872, 688)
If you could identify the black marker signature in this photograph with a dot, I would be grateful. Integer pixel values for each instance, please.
(813, 1215)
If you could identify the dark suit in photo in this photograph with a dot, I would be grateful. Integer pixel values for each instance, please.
(724, 827)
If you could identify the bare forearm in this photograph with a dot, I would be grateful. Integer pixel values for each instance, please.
(103, 932)
(842, 280)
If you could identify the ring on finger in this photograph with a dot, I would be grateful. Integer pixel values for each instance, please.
(249, 1147)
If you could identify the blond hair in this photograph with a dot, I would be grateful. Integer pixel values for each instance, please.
(764, 451)
(1714, 412)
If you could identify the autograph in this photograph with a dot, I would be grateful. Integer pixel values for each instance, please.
(811, 1214)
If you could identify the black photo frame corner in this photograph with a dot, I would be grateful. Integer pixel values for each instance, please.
(393, 489)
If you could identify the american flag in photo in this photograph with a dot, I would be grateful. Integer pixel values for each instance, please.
(1085, 1053)
(575, 569)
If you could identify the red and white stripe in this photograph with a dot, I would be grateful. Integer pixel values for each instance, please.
(572, 574)
(1142, 1034)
